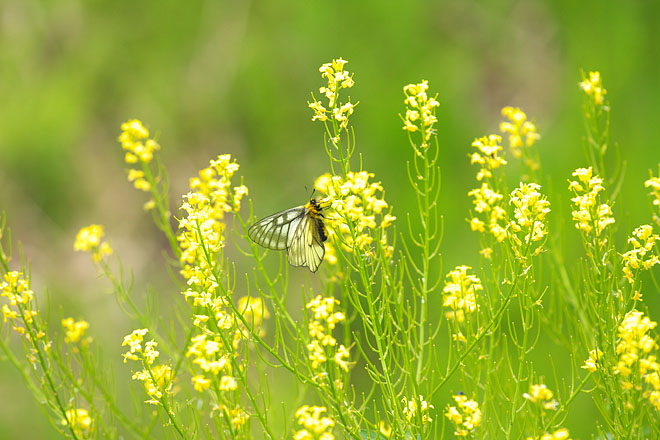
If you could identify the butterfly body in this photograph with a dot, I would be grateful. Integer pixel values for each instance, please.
(299, 230)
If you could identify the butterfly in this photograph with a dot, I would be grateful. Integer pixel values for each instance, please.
(299, 230)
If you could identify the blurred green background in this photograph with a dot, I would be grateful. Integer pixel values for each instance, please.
(234, 77)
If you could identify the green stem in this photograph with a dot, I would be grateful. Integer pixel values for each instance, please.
(495, 320)
(31, 332)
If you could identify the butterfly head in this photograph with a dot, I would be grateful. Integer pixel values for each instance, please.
(315, 206)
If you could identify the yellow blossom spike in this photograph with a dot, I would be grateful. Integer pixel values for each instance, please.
(466, 415)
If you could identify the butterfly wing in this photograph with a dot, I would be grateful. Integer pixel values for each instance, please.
(278, 230)
(306, 247)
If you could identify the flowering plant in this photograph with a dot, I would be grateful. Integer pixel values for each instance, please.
(380, 343)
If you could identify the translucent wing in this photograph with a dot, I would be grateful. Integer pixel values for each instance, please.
(277, 231)
(306, 247)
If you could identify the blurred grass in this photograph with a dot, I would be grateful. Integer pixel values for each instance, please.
(234, 77)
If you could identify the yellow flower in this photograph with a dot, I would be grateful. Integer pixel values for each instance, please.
(487, 253)
(316, 354)
(210, 354)
(385, 429)
(203, 224)
(560, 434)
(417, 407)
(487, 155)
(79, 420)
(637, 356)
(228, 383)
(641, 256)
(134, 341)
(460, 292)
(139, 182)
(74, 329)
(634, 343)
(201, 237)
(590, 216)
(162, 380)
(362, 203)
(139, 148)
(238, 417)
(519, 129)
(342, 113)
(7, 313)
(314, 424)
(593, 87)
(319, 111)
(420, 111)
(89, 239)
(540, 394)
(16, 288)
(487, 204)
(150, 353)
(341, 358)
(325, 318)
(593, 361)
(654, 184)
(466, 416)
(530, 209)
(200, 383)
(239, 192)
(338, 79)
(134, 139)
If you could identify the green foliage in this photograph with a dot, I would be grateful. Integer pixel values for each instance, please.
(368, 355)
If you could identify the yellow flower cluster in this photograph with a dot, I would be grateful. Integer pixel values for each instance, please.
(486, 200)
(89, 239)
(237, 416)
(590, 216)
(79, 420)
(521, 131)
(459, 293)
(203, 226)
(414, 408)
(323, 344)
(134, 341)
(654, 183)
(315, 426)
(593, 362)
(134, 138)
(487, 155)
(487, 203)
(157, 379)
(338, 79)
(17, 290)
(529, 211)
(75, 330)
(360, 202)
(593, 87)
(420, 111)
(560, 434)
(209, 353)
(540, 394)
(201, 237)
(214, 182)
(641, 255)
(466, 417)
(637, 355)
